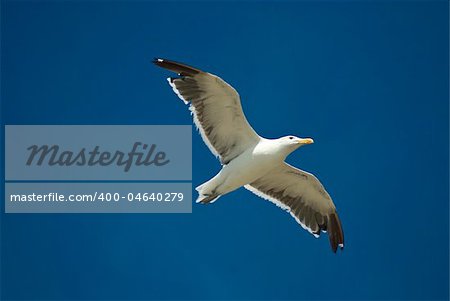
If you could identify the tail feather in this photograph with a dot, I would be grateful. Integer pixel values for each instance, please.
(199, 188)
(207, 199)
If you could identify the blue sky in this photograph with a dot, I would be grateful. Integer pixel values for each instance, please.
(367, 80)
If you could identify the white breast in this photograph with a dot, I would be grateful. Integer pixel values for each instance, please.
(249, 166)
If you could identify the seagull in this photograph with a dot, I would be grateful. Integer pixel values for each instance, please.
(249, 160)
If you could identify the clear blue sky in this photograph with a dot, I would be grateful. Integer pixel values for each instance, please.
(367, 80)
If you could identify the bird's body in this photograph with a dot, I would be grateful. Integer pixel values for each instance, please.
(249, 160)
(254, 162)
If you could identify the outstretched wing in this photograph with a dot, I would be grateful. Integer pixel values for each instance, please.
(303, 196)
(216, 107)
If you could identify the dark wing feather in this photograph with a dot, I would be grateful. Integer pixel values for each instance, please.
(181, 69)
(301, 194)
(217, 110)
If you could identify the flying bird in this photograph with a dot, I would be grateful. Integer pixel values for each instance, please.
(248, 159)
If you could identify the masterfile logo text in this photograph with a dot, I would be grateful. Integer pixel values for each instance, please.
(99, 152)
(140, 154)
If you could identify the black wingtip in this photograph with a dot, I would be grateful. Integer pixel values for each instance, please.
(176, 67)
(335, 232)
(157, 61)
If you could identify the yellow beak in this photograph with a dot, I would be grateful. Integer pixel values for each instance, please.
(305, 141)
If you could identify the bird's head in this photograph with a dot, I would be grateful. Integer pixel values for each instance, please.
(291, 143)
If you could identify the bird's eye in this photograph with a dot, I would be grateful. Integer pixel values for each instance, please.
(291, 138)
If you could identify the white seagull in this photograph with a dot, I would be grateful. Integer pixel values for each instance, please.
(248, 159)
